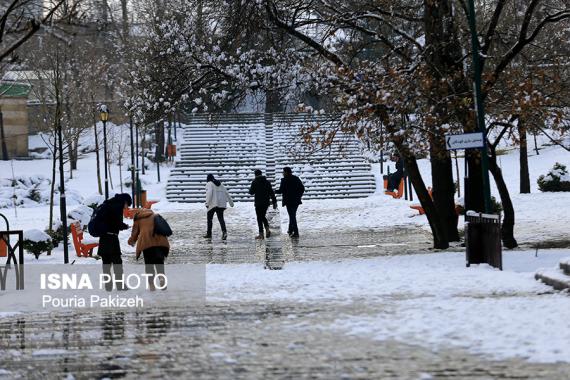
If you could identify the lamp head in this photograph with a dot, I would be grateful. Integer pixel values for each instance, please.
(104, 112)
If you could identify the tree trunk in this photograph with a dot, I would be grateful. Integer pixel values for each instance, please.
(437, 226)
(125, 19)
(143, 141)
(273, 102)
(51, 195)
(121, 173)
(508, 226)
(109, 170)
(524, 174)
(443, 58)
(74, 154)
(98, 160)
(443, 190)
(458, 183)
(159, 136)
(474, 199)
(440, 240)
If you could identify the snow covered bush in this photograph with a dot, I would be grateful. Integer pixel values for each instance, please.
(81, 214)
(37, 242)
(94, 200)
(56, 233)
(31, 190)
(557, 179)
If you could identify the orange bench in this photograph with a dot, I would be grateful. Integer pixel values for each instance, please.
(421, 210)
(82, 250)
(3, 248)
(418, 207)
(130, 212)
(395, 194)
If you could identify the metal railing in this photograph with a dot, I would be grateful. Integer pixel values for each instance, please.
(11, 256)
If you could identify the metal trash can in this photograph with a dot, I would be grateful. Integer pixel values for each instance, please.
(483, 239)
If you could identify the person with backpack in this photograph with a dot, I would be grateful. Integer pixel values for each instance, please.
(106, 223)
(292, 189)
(217, 198)
(152, 242)
(263, 196)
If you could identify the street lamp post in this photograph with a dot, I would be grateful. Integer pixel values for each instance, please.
(104, 113)
(479, 107)
(133, 182)
(137, 168)
(62, 199)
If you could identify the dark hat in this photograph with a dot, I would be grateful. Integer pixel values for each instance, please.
(257, 172)
(287, 170)
(124, 198)
(210, 178)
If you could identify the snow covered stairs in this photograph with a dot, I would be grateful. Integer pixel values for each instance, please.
(559, 279)
(338, 171)
(231, 146)
(230, 150)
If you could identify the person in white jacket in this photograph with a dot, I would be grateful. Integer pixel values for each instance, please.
(217, 198)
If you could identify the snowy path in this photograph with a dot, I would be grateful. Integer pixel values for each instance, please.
(188, 245)
(236, 341)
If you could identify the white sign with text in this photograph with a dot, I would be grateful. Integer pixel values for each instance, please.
(464, 141)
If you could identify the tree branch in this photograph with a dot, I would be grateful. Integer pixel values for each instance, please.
(491, 31)
(522, 43)
(272, 13)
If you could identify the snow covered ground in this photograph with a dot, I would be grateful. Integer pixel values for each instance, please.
(430, 299)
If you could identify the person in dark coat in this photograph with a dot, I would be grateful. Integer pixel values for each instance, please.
(109, 247)
(263, 196)
(395, 178)
(292, 190)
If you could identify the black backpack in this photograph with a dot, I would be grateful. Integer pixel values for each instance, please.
(161, 226)
(96, 226)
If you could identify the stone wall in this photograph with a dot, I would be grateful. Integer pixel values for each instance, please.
(15, 118)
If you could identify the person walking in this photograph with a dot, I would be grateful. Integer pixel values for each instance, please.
(263, 196)
(217, 198)
(154, 247)
(111, 223)
(292, 190)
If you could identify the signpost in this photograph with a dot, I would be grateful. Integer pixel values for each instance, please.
(465, 141)
(479, 106)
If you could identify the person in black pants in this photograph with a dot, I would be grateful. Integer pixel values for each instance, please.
(292, 190)
(264, 196)
(109, 247)
(154, 247)
(395, 178)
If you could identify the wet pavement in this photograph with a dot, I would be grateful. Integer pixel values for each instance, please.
(188, 245)
(243, 340)
(229, 341)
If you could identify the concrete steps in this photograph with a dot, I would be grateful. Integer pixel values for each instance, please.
(231, 146)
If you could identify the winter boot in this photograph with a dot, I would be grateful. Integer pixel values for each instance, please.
(224, 235)
(268, 233)
(259, 237)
